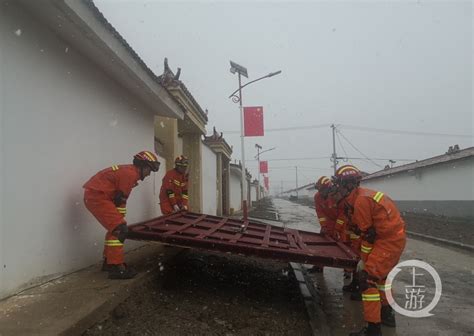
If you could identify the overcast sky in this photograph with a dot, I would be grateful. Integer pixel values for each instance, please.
(397, 65)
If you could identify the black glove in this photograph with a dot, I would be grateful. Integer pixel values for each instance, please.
(121, 232)
(119, 198)
(356, 230)
(370, 235)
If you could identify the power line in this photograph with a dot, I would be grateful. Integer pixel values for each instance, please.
(328, 157)
(366, 129)
(381, 159)
(391, 131)
(293, 167)
(340, 143)
(283, 129)
(353, 146)
(293, 159)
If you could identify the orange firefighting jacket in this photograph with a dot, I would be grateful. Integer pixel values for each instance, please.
(174, 188)
(372, 210)
(377, 210)
(330, 215)
(116, 178)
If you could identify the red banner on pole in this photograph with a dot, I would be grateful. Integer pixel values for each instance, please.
(266, 182)
(253, 121)
(263, 167)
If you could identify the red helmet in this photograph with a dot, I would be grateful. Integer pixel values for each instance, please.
(323, 182)
(347, 173)
(181, 161)
(148, 158)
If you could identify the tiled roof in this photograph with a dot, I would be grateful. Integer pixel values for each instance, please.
(448, 157)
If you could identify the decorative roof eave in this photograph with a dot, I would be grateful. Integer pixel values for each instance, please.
(183, 96)
(218, 144)
(238, 167)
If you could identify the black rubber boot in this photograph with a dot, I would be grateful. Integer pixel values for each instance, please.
(372, 329)
(106, 267)
(353, 287)
(357, 296)
(388, 316)
(121, 272)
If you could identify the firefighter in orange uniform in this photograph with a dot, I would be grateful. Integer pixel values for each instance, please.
(327, 212)
(383, 239)
(325, 207)
(105, 196)
(174, 189)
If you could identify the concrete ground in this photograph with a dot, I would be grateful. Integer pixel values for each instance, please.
(70, 304)
(454, 314)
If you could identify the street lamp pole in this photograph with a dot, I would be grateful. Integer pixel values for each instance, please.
(242, 148)
(258, 167)
(242, 71)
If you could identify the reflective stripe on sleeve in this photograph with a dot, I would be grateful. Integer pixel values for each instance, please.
(378, 196)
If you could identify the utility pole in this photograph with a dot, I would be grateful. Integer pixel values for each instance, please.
(334, 155)
(296, 181)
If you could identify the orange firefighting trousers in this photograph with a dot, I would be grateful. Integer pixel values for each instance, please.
(379, 259)
(109, 216)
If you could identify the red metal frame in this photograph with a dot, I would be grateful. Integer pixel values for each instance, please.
(250, 238)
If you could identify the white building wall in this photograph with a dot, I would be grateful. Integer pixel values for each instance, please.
(235, 190)
(449, 181)
(449, 184)
(179, 145)
(209, 181)
(253, 193)
(62, 120)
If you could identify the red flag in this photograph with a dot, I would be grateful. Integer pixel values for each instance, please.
(266, 182)
(253, 121)
(263, 167)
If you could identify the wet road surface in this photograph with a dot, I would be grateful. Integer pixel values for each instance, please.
(454, 314)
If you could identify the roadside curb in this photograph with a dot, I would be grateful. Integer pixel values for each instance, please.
(312, 301)
(442, 241)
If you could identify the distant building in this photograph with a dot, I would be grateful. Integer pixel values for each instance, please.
(441, 185)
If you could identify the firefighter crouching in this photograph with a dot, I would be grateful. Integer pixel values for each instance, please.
(327, 211)
(325, 207)
(105, 196)
(174, 189)
(383, 240)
